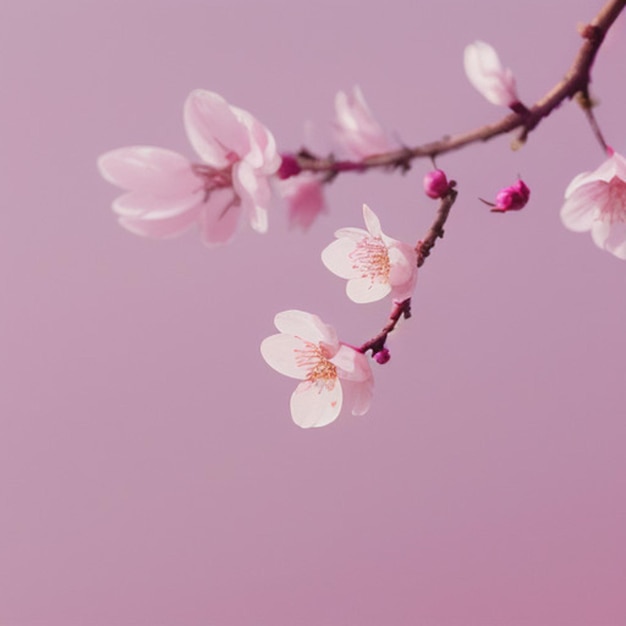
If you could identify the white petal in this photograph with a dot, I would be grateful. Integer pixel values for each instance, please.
(487, 75)
(316, 404)
(308, 327)
(363, 290)
(280, 352)
(372, 222)
(356, 234)
(336, 257)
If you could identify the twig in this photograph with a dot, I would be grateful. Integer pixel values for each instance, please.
(423, 248)
(576, 80)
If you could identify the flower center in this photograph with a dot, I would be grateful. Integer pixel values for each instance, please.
(320, 370)
(371, 259)
(213, 178)
(614, 210)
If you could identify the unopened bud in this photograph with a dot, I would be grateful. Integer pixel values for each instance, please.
(382, 356)
(512, 198)
(436, 184)
(289, 166)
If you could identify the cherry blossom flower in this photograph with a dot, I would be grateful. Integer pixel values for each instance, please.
(488, 76)
(374, 265)
(357, 132)
(596, 201)
(334, 376)
(166, 193)
(305, 198)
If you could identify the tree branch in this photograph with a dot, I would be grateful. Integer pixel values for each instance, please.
(576, 81)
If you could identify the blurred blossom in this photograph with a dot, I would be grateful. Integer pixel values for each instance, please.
(596, 201)
(304, 195)
(357, 132)
(512, 198)
(485, 72)
(374, 265)
(166, 193)
(334, 375)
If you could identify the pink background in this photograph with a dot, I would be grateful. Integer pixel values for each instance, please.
(150, 474)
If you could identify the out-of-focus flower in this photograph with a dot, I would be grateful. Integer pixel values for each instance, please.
(334, 376)
(166, 193)
(436, 184)
(488, 76)
(511, 198)
(357, 132)
(305, 198)
(374, 265)
(596, 201)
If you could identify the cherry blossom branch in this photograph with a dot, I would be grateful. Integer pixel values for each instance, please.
(576, 81)
(423, 249)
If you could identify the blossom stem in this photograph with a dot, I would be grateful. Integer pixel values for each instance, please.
(435, 231)
(423, 248)
(576, 80)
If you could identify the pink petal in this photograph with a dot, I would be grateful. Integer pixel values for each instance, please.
(279, 352)
(356, 129)
(579, 181)
(336, 258)
(305, 199)
(136, 203)
(363, 290)
(214, 130)
(160, 228)
(220, 217)
(600, 232)
(308, 327)
(357, 396)
(583, 206)
(148, 169)
(403, 262)
(263, 154)
(255, 194)
(487, 75)
(616, 241)
(316, 404)
(351, 364)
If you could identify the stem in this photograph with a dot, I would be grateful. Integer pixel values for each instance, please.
(576, 80)
(423, 248)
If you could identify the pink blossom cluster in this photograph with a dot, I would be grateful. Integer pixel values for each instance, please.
(238, 173)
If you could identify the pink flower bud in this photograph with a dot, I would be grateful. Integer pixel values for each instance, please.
(382, 356)
(512, 198)
(289, 166)
(436, 184)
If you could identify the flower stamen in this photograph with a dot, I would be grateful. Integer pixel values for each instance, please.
(371, 259)
(320, 370)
